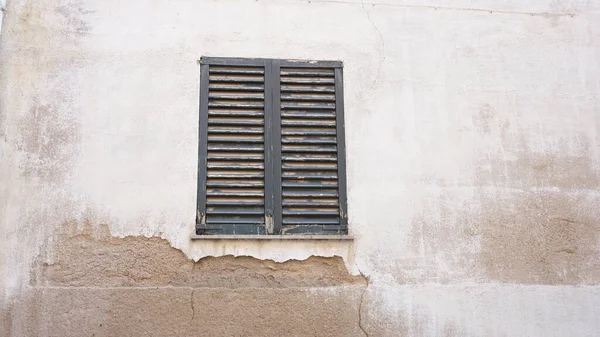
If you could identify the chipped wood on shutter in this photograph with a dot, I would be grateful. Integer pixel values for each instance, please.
(235, 151)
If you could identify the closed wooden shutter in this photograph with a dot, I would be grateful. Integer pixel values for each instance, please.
(310, 143)
(234, 188)
(271, 148)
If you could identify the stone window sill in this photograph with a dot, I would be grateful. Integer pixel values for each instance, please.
(273, 237)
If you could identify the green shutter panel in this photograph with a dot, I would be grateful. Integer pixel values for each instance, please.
(232, 149)
(313, 190)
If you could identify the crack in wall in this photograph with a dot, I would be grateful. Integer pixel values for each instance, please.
(460, 9)
(192, 303)
(360, 305)
(381, 40)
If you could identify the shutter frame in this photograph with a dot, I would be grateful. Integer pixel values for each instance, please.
(202, 150)
(275, 146)
(273, 196)
(272, 138)
(341, 148)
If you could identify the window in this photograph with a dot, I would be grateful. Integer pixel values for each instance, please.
(271, 147)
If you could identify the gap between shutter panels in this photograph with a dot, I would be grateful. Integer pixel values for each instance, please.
(310, 198)
(235, 171)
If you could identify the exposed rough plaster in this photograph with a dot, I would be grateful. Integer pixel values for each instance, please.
(92, 258)
(166, 311)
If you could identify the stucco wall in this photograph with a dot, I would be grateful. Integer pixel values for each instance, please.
(1, 14)
(473, 162)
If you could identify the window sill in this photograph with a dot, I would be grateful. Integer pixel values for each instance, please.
(273, 237)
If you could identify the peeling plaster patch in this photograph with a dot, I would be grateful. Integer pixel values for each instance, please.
(178, 236)
(278, 251)
(93, 258)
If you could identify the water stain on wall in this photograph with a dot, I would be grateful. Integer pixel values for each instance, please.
(542, 238)
(45, 139)
(518, 236)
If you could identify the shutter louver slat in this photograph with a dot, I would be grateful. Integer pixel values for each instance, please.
(235, 186)
(218, 87)
(309, 162)
(316, 115)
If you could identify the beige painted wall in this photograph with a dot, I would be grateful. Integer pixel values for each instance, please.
(473, 167)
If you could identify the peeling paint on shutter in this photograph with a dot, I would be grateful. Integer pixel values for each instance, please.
(310, 165)
(235, 150)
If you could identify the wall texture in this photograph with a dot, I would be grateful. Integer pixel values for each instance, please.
(473, 152)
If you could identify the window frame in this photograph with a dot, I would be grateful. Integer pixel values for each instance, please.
(272, 136)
